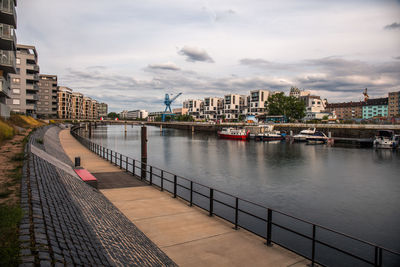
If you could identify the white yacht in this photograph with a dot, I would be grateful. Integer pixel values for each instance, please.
(302, 136)
(317, 138)
(386, 139)
(268, 134)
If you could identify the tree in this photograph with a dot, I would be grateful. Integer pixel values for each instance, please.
(113, 115)
(289, 106)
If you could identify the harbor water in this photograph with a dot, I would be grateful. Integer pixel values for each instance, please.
(354, 191)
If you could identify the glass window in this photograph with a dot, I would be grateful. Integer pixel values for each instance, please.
(16, 102)
(16, 80)
(16, 91)
(18, 61)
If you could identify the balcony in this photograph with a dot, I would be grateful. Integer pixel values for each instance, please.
(7, 61)
(32, 86)
(8, 38)
(8, 13)
(33, 67)
(4, 87)
(32, 97)
(32, 77)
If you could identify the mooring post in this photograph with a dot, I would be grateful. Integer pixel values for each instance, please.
(144, 151)
(125, 128)
(90, 130)
(192, 129)
(160, 127)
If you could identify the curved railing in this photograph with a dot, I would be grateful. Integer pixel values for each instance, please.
(314, 242)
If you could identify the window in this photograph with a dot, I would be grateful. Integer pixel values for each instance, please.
(18, 61)
(18, 71)
(16, 102)
(16, 91)
(16, 80)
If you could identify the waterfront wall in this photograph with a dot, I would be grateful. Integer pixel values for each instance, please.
(337, 130)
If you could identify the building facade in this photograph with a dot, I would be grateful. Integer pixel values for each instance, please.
(195, 108)
(234, 106)
(137, 114)
(47, 96)
(377, 107)
(394, 104)
(64, 99)
(296, 92)
(212, 106)
(24, 83)
(258, 98)
(8, 42)
(346, 110)
(103, 110)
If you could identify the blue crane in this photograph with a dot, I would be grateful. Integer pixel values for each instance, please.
(168, 101)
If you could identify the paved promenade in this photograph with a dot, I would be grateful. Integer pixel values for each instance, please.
(186, 234)
(68, 223)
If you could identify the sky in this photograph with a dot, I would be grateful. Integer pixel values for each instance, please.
(129, 54)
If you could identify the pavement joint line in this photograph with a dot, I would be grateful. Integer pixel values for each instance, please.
(198, 239)
(165, 215)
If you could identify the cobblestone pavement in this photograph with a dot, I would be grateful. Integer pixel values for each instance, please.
(68, 223)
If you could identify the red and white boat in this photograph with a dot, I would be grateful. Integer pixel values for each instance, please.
(232, 133)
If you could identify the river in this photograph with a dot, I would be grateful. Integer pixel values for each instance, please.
(354, 191)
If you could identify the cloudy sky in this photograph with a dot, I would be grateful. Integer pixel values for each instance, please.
(130, 53)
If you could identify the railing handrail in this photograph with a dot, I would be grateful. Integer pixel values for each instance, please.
(73, 129)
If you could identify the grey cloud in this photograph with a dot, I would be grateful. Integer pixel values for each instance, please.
(164, 66)
(194, 54)
(393, 26)
(397, 57)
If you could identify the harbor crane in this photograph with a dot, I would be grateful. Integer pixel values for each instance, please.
(168, 101)
(366, 96)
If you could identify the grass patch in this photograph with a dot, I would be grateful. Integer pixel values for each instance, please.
(18, 157)
(6, 131)
(4, 191)
(10, 216)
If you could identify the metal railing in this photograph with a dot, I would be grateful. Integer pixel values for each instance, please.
(314, 242)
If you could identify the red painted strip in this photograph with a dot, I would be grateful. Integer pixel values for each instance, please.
(85, 175)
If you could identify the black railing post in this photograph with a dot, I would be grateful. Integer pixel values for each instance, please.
(236, 213)
(376, 256)
(162, 180)
(107, 154)
(269, 228)
(120, 161)
(175, 186)
(111, 156)
(211, 202)
(151, 175)
(115, 158)
(380, 257)
(133, 167)
(191, 193)
(104, 152)
(313, 246)
(126, 163)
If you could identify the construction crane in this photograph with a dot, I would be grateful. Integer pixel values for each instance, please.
(168, 101)
(366, 96)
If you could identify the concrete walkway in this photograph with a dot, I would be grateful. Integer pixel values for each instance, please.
(186, 234)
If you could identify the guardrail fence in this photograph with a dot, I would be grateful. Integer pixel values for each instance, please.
(319, 244)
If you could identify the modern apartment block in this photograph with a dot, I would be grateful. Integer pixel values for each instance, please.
(8, 42)
(64, 110)
(257, 101)
(24, 83)
(377, 107)
(77, 106)
(195, 108)
(212, 107)
(103, 110)
(394, 104)
(48, 93)
(234, 106)
(137, 114)
(346, 110)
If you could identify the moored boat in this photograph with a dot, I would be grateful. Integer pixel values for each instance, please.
(317, 138)
(232, 133)
(386, 139)
(302, 136)
(269, 134)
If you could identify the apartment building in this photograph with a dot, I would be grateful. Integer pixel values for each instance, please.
(394, 104)
(212, 106)
(377, 107)
(257, 100)
(137, 114)
(296, 92)
(180, 111)
(24, 83)
(8, 42)
(103, 110)
(90, 108)
(47, 96)
(346, 110)
(64, 99)
(234, 106)
(123, 114)
(195, 108)
(77, 106)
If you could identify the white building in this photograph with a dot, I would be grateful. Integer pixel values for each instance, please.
(296, 92)
(195, 108)
(123, 115)
(315, 107)
(257, 101)
(212, 107)
(234, 106)
(137, 114)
